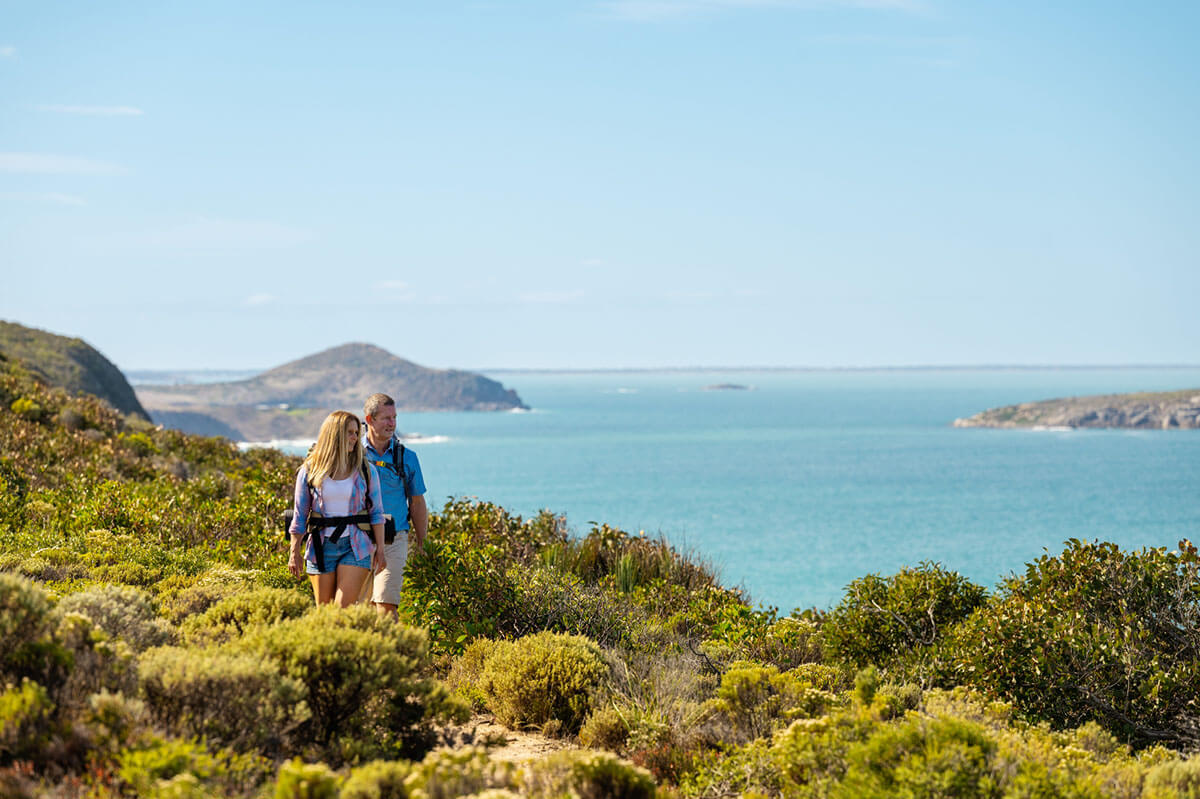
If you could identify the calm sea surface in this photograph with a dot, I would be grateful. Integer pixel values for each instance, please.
(811, 479)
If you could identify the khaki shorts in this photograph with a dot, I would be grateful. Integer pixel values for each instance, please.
(389, 581)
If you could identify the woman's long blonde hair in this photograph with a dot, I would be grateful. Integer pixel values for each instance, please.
(328, 456)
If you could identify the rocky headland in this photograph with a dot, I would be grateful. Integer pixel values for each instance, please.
(290, 401)
(1169, 410)
(69, 363)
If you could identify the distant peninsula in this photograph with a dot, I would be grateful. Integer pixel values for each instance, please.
(290, 401)
(1168, 410)
(70, 363)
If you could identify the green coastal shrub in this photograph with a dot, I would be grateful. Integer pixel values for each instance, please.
(1095, 633)
(542, 678)
(27, 630)
(604, 728)
(236, 700)
(881, 619)
(233, 615)
(154, 770)
(123, 612)
(466, 672)
(300, 780)
(457, 590)
(464, 772)
(547, 599)
(755, 700)
(738, 633)
(922, 758)
(366, 680)
(115, 721)
(379, 779)
(589, 775)
(25, 721)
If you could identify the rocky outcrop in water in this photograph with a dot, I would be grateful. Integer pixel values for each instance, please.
(290, 401)
(1171, 410)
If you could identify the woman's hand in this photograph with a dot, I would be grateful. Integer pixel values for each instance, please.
(296, 558)
(379, 560)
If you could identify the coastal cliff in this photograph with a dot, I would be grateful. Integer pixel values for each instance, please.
(1170, 410)
(290, 401)
(71, 364)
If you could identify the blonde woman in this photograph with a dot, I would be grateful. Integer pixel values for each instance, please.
(337, 496)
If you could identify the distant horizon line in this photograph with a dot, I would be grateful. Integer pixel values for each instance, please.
(1015, 367)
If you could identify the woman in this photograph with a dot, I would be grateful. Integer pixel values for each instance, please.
(335, 485)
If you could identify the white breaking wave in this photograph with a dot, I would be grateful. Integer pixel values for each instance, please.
(1052, 428)
(421, 438)
(285, 444)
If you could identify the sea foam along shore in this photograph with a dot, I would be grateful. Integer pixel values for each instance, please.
(302, 444)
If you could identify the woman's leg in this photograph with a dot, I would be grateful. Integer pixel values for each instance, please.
(324, 586)
(350, 580)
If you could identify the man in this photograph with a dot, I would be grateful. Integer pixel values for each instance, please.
(403, 497)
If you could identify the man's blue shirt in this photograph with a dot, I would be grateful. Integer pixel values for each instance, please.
(394, 501)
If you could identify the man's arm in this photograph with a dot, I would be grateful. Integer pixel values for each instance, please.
(420, 519)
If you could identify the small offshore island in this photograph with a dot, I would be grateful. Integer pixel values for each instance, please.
(1168, 410)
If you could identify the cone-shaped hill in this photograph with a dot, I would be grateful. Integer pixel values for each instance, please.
(290, 401)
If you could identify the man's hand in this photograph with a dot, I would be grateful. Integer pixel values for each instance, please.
(420, 520)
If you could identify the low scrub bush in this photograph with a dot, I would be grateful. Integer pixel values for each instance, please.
(754, 700)
(25, 722)
(238, 700)
(27, 630)
(124, 613)
(589, 775)
(882, 619)
(233, 615)
(465, 772)
(379, 779)
(604, 728)
(300, 780)
(365, 677)
(542, 678)
(1093, 634)
(466, 672)
(155, 769)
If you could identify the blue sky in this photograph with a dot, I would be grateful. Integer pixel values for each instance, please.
(602, 184)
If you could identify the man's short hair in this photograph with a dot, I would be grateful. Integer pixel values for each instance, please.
(375, 402)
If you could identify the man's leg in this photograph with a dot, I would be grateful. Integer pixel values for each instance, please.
(386, 595)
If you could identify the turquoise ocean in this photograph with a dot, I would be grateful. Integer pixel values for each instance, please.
(809, 479)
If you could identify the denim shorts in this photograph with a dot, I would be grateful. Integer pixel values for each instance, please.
(339, 554)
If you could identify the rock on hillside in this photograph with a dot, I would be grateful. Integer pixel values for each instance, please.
(70, 363)
(290, 401)
(1170, 410)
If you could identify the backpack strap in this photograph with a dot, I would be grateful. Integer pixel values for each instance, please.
(398, 465)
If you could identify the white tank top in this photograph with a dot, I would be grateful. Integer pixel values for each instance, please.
(335, 495)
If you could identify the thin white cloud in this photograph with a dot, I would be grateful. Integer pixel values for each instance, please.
(657, 10)
(255, 300)
(551, 297)
(205, 234)
(8, 51)
(94, 110)
(43, 164)
(44, 197)
(392, 285)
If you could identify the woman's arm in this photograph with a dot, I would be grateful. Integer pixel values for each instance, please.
(302, 505)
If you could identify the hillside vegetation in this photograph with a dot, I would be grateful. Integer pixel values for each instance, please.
(70, 363)
(155, 646)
